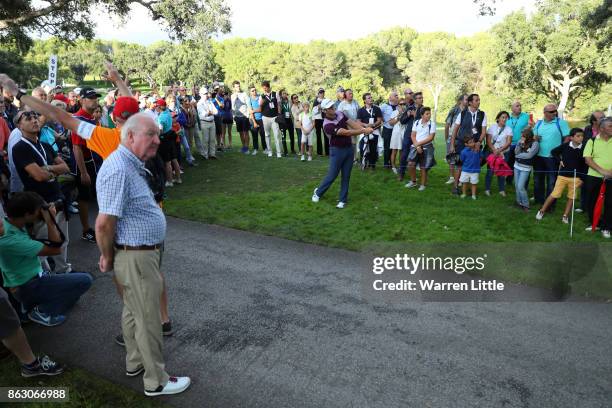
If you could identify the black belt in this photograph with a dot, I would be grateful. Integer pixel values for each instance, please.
(138, 248)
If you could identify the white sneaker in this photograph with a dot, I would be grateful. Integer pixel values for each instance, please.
(278, 155)
(422, 188)
(488, 193)
(309, 158)
(169, 184)
(175, 385)
(315, 197)
(341, 205)
(539, 215)
(473, 197)
(394, 169)
(606, 234)
(502, 193)
(590, 228)
(254, 152)
(303, 158)
(450, 180)
(410, 184)
(270, 153)
(578, 210)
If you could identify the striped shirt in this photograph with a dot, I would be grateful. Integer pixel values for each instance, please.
(123, 192)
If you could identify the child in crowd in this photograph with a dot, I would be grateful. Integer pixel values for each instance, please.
(470, 170)
(499, 139)
(307, 124)
(525, 151)
(422, 149)
(571, 163)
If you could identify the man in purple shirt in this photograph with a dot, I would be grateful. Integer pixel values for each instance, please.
(339, 129)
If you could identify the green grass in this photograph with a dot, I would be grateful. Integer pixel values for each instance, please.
(85, 389)
(272, 196)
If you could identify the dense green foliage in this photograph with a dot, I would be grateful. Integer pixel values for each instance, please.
(502, 64)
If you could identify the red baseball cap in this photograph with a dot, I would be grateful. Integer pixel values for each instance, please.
(125, 106)
(61, 97)
(160, 102)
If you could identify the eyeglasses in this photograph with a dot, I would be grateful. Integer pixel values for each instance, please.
(550, 111)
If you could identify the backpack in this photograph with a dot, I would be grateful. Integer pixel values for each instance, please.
(539, 123)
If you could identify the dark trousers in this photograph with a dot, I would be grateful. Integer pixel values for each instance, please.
(288, 128)
(54, 294)
(406, 145)
(218, 125)
(340, 160)
(592, 187)
(258, 131)
(386, 135)
(544, 178)
(320, 141)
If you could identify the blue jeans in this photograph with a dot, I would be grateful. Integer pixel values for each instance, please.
(544, 178)
(340, 160)
(54, 294)
(501, 180)
(186, 147)
(521, 177)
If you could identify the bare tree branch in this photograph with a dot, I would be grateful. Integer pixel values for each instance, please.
(27, 17)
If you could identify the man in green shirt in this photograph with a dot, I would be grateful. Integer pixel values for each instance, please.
(46, 297)
(598, 156)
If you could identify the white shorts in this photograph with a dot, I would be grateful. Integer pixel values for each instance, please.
(397, 137)
(308, 138)
(471, 178)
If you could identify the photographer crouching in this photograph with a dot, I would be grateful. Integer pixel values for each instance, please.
(45, 297)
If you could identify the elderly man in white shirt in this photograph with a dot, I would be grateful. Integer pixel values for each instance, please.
(206, 113)
(387, 112)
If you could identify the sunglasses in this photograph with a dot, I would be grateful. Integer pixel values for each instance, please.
(28, 116)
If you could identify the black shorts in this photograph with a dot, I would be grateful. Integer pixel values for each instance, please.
(167, 148)
(84, 192)
(9, 321)
(242, 124)
(228, 121)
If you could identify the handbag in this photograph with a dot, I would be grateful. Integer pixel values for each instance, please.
(280, 119)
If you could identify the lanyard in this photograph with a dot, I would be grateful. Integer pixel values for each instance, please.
(370, 112)
(44, 158)
(474, 117)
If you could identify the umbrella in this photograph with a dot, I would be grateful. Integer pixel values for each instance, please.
(599, 205)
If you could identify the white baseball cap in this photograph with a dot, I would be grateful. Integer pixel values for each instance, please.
(327, 103)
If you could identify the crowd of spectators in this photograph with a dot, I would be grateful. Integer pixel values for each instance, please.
(60, 153)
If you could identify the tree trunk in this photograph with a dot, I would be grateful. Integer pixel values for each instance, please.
(436, 90)
(564, 93)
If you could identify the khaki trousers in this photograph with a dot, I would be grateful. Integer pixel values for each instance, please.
(209, 139)
(138, 273)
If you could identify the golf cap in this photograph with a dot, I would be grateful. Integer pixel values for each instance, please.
(327, 103)
(89, 93)
(125, 106)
